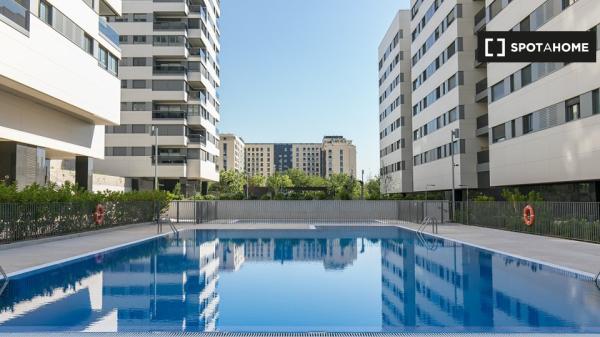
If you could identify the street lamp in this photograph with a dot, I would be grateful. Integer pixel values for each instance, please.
(454, 135)
(467, 188)
(426, 198)
(155, 132)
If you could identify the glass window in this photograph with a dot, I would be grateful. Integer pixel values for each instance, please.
(498, 91)
(572, 109)
(119, 151)
(525, 25)
(526, 76)
(499, 133)
(139, 39)
(113, 64)
(138, 128)
(596, 102)
(139, 61)
(46, 12)
(138, 106)
(103, 57)
(140, 17)
(139, 84)
(527, 123)
(88, 44)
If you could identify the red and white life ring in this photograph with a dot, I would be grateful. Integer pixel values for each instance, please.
(99, 214)
(528, 215)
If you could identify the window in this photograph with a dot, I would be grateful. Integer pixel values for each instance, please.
(525, 25)
(113, 64)
(103, 58)
(138, 151)
(527, 123)
(138, 106)
(572, 109)
(119, 151)
(513, 128)
(499, 133)
(123, 84)
(138, 84)
(139, 62)
(138, 128)
(526, 76)
(498, 91)
(88, 44)
(140, 17)
(567, 3)
(595, 102)
(139, 39)
(46, 12)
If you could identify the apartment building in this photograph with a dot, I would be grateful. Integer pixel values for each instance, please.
(545, 117)
(232, 149)
(169, 78)
(59, 86)
(335, 154)
(444, 109)
(395, 119)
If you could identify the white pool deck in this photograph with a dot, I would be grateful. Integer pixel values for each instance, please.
(573, 255)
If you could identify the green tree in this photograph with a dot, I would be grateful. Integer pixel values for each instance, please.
(344, 187)
(278, 181)
(257, 181)
(230, 183)
(298, 177)
(373, 189)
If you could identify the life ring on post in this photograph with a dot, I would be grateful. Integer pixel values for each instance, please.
(528, 215)
(99, 214)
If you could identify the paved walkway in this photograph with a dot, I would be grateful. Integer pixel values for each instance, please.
(575, 255)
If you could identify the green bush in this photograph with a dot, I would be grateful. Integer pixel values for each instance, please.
(39, 211)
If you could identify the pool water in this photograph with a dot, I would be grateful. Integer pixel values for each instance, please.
(325, 279)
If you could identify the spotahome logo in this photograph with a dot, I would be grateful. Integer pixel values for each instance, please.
(536, 46)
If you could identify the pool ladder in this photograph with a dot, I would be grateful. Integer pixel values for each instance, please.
(597, 281)
(428, 221)
(4, 281)
(170, 223)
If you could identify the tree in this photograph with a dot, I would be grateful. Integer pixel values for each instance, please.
(344, 187)
(257, 181)
(231, 183)
(298, 177)
(373, 189)
(278, 181)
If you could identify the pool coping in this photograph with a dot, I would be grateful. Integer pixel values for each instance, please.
(585, 274)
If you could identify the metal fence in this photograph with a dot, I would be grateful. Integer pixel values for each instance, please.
(569, 220)
(306, 210)
(31, 221)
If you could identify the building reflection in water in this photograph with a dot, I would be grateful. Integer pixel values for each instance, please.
(172, 285)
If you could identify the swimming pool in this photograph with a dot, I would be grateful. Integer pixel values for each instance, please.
(350, 279)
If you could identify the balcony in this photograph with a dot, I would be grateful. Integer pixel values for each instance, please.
(483, 161)
(169, 69)
(168, 114)
(480, 20)
(108, 32)
(197, 95)
(197, 139)
(170, 25)
(15, 12)
(481, 92)
(482, 126)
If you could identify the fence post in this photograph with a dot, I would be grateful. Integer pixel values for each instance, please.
(178, 211)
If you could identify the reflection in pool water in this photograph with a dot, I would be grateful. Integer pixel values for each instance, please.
(328, 279)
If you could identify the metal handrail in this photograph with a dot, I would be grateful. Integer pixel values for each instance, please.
(596, 281)
(5, 278)
(433, 245)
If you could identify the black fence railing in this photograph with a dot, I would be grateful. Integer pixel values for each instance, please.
(568, 220)
(32, 221)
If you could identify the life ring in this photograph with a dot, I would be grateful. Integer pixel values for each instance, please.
(99, 214)
(528, 215)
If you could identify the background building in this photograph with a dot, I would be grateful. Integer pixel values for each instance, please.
(395, 119)
(232, 149)
(58, 86)
(335, 154)
(545, 117)
(169, 77)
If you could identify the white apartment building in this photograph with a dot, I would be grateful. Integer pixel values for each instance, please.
(395, 119)
(232, 149)
(169, 78)
(335, 154)
(444, 77)
(58, 85)
(544, 117)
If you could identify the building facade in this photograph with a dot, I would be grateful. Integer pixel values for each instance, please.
(169, 78)
(334, 154)
(544, 117)
(395, 119)
(232, 149)
(59, 86)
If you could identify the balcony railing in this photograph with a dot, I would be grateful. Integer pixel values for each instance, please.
(169, 69)
(15, 12)
(197, 139)
(481, 86)
(108, 32)
(170, 26)
(169, 114)
(480, 16)
(483, 157)
(197, 95)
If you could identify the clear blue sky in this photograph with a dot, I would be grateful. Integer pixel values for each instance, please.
(294, 71)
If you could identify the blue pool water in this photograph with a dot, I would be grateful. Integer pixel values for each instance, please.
(325, 279)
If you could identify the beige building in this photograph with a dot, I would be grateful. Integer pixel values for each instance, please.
(334, 154)
(232, 149)
(169, 80)
(59, 86)
(395, 119)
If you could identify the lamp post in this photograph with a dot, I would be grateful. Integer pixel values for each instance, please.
(467, 188)
(362, 185)
(155, 132)
(455, 134)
